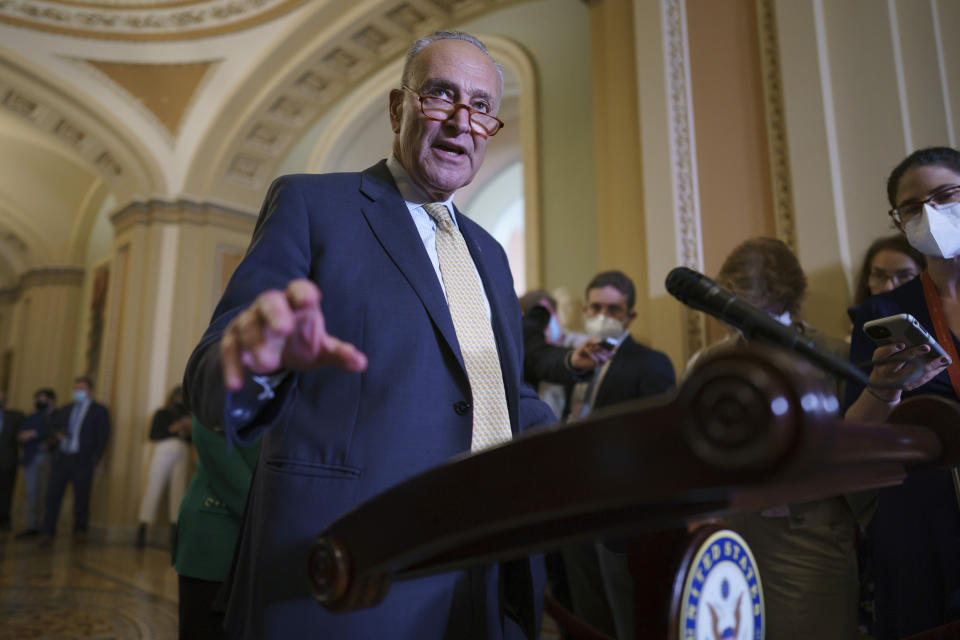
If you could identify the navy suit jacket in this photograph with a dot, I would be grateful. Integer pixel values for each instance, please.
(8, 437)
(94, 432)
(333, 439)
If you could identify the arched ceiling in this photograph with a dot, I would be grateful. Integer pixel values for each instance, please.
(167, 98)
(142, 20)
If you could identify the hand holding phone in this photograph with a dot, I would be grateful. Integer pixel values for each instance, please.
(904, 328)
(608, 344)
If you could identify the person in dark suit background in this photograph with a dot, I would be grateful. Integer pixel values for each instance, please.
(10, 422)
(36, 435)
(425, 365)
(634, 370)
(552, 360)
(600, 584)
(82, 429)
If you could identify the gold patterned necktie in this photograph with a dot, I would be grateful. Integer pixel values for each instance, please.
(491, 421)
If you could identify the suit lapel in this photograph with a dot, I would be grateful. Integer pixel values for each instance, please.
(387, 215)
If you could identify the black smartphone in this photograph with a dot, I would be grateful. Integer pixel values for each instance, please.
(609, 344)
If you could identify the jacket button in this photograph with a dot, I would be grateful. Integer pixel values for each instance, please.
(462, 407)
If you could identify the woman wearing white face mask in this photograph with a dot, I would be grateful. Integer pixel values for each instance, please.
(916, 547)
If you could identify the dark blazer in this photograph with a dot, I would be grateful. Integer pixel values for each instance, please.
(94, 432)
(636, 371)
(8, 438)
(333, 439)
(42, 423)
(916, 529)
(542, 361)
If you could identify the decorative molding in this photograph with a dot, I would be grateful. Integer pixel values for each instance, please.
(52, 276)
(777, 147)
(13, 241)
(201, 18)
(683, 157)
(181, 211)
(9, 295)
(27, 105)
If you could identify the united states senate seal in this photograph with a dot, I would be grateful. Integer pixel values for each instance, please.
(722, 594)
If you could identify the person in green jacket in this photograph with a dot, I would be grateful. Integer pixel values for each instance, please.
(210, 517)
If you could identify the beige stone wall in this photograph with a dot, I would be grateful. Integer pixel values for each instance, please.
(167, 273)
(42, 333)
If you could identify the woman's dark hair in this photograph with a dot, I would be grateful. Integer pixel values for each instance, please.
(765, 273)
(931, 156)
(896, 243)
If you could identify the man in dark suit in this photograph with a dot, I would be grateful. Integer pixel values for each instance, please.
(600, 585)
(82, 429)
(36, 435)
(9, 426)
(634, 370)
(426, 362)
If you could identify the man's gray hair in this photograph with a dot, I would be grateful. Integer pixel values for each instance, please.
(421, 43)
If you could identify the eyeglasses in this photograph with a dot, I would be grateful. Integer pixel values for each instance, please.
(880, 277)
(943, 197)
(441, 110)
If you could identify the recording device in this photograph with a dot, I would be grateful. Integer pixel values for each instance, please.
(609, 344)
(904, 328)
(699, 292)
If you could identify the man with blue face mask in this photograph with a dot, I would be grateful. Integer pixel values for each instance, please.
(82, 429)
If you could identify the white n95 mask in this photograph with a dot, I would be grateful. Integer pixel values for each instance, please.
(601, 327)
(937, 232)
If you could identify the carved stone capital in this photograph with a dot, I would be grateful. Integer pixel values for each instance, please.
(181, 211)
(52, 276)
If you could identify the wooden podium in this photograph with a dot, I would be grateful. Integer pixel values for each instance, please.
(750, 428)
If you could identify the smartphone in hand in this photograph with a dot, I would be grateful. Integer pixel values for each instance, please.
(903, 328)
(608, 344)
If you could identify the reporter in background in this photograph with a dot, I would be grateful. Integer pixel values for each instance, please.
(600, 582)
(888, 263)
(37, 437)
(806, 551)
(9, 426)
(552, 358)
(916, 548)
(170, 430)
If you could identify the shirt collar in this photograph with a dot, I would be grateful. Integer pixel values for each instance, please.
(410, 191)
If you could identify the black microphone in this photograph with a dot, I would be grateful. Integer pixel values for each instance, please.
(699, 292)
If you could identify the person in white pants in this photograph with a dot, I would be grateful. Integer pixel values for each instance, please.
(170, 429)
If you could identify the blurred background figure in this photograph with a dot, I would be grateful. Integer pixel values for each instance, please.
(170, 430)
(599, 579)
(207, 530)
(82, 431)
(807, 551)
(542, 330)
(37, 437)
(9, 426)
(888, 263)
